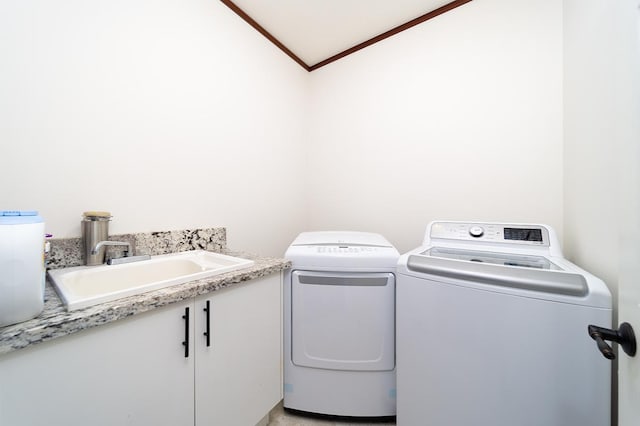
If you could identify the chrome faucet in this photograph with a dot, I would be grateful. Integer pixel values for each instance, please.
(101, 244)
(127, 258)
(95, 234)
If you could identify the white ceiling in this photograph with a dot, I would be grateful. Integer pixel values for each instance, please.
(315, 30)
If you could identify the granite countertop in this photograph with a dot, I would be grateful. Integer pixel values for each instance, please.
(55, 321)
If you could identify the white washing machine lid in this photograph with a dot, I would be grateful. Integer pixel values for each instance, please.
(542, 277)
(341, 238)
(493, 258)
(519, 259)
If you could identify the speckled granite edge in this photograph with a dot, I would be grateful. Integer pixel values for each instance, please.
(56, 322)
(67, 252)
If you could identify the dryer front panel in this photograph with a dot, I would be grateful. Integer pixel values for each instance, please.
(343, 321)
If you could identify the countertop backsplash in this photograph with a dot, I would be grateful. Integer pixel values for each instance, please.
(67, 252)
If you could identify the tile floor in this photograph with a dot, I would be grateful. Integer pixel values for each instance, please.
(279, 417)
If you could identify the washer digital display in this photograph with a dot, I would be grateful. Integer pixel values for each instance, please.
(523, 234)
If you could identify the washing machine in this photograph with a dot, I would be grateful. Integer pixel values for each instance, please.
(492, 330)
(339, 325)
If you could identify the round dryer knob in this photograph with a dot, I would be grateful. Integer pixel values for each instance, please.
(476, 231)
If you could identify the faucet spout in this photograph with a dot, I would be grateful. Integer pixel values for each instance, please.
(101, 244)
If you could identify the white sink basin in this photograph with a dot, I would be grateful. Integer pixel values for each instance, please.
(84, 286)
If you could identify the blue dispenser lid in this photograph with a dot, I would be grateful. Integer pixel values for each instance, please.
(19, 217)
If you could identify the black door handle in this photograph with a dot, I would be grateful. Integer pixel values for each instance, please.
(207, 333)
(185, 343)
(624, 336)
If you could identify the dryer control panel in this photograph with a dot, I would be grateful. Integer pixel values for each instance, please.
(536, 235)
(345, 249)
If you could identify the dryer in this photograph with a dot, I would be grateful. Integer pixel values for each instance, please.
(492, 330)
(339, 325)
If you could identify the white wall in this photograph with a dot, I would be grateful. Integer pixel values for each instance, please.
(600, 128)
(458, 118)
(170, 114)
(602, 156)
(177, 114)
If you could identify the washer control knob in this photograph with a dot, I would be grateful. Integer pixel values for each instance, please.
(476, 231)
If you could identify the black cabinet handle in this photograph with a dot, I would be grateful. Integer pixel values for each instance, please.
(185, 343)
(207, 333)
(624, 336)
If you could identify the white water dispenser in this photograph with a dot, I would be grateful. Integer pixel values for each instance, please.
(21, 266)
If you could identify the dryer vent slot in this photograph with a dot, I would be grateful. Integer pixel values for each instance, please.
(348, 281)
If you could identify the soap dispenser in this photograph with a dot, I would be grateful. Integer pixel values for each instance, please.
(95, 228)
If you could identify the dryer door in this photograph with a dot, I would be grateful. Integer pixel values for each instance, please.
(343, 321)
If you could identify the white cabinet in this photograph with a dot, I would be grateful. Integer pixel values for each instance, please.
(129, 372)
(134, 371)
(238, 377)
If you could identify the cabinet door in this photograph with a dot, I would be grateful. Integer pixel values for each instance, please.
(238, 377)
(129, 372)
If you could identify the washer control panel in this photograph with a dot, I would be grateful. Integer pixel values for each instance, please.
(476, 231)
(491, 233)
